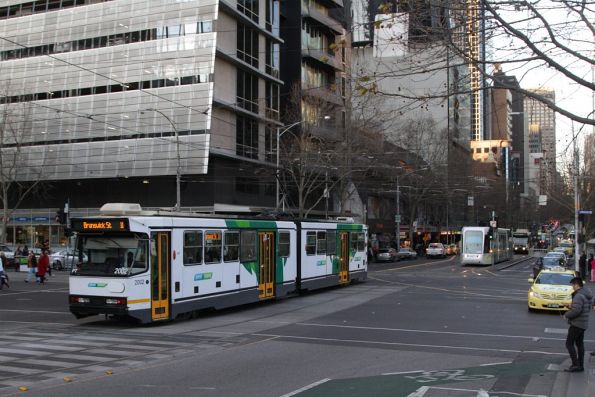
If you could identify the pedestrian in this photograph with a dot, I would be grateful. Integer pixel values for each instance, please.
(3, 275)
(370, 252)
(578, 319)
(592, 266)
(25, 251)
(42, 266)
(31, 266)
(582, 266)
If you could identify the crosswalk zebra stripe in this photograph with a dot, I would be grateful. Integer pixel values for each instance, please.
(24, 352)
(108, 352)
(84, 357)
(49, 363)
(18, 370)
(46, 346)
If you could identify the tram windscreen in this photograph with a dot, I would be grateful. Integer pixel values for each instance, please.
(111, 256)
(473, 242)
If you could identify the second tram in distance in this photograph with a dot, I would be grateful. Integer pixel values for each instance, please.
(155, 265)
(485, 246)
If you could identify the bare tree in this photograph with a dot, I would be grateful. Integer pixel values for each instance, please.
(552, 37)
(15, 126)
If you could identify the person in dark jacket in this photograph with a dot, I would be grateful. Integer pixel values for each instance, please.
(578, 318)
(582, 266)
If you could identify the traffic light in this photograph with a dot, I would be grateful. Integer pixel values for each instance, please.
(61, 216)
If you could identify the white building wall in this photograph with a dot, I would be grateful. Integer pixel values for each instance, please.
(112, 134)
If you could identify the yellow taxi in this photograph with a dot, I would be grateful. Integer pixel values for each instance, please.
(551, 289)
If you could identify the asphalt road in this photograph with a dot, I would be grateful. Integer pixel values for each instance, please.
(416, 328)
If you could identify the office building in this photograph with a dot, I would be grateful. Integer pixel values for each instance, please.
(111, 99)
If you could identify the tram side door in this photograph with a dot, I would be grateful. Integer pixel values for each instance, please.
(160, 273)
(266, 262)
(343, 257)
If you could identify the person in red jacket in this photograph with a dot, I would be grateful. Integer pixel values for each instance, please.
(42, 266)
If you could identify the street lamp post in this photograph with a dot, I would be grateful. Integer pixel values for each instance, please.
(398, 214)
(178, 168)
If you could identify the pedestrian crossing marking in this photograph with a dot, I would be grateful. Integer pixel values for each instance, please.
(24, 352)
(49, 363)
(47, 346)
(18, 370)
(84, 357)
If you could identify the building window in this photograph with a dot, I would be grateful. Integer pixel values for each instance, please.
(246, 137)
(247, 91)
(247, 185)
(247, 45)
(272, 100)
(270, 142)
(272, 60)
(272, 16)
(249, 8)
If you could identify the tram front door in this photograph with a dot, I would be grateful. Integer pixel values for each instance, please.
(160, 268)
(266, 262)
(343, 257)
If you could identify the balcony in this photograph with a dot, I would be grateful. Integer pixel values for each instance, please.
(324, 20)
(322, 57)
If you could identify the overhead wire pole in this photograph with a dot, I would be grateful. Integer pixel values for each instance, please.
(577, 203)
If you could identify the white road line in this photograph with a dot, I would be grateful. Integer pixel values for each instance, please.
(105, 339)
(49, 363)
(498, 392)
(555, 331)
(33, 292)
(421, 331)
(34, 322)
(421, 392)
(21, 351)
(373, 342)
(84, 357)
(112, 352)
(308, 387)
(19, 370)
(33, 311)
(140, 347)
(490, 364)
(404, 372)
(46, 346)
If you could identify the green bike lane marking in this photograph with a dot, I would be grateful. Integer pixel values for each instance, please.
(406, 383)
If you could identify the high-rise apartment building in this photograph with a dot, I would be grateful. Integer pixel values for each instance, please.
(542, 128)
(315, 59)
(107, 100)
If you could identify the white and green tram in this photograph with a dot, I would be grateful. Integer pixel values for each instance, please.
(156, 265)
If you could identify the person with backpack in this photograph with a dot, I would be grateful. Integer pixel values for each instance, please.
(42, 266)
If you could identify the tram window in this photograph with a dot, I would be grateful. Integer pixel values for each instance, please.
(310, 243)
(284, 244)
(248, 245)
(353, 241)
(212, 246)
(321, 243)
(193, 248)
(361, 242)
(331, 242)
(231, 248)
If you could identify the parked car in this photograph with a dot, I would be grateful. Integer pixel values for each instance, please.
(8, 252)
(435, 249)
(406, 253)
(64, 259)
(386, 255)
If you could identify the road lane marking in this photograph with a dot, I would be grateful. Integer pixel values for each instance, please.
(421, 392)
(19, 370)
(477, 391)
(422, 331)
(416, 265)
(404, 372)
(490, 364)
(307, 387)
(373, 342)
(34, 292)
(33, 311)
(555, 331)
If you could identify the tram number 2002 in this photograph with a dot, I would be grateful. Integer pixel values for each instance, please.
(139, 282)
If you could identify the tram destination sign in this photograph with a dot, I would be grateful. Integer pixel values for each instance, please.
(101, 225)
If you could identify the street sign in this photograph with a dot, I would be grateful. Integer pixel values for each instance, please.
(585, 212)
(397, 218)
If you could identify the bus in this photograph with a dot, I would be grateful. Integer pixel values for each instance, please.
(521, 239)
(485, 246)
(159, 265)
